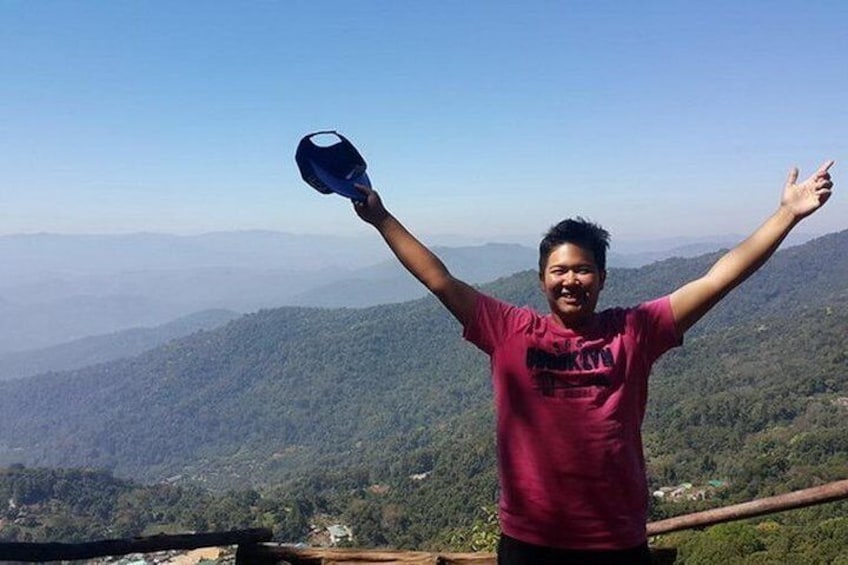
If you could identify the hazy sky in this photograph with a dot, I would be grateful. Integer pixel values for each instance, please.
(476, 117)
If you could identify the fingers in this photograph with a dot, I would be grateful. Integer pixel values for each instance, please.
(823, 169)
(820, 175)
(366, 192)
(793, 175)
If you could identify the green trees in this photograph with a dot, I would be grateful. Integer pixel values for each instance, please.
(726, 543)
(774, 541)
(286, 414)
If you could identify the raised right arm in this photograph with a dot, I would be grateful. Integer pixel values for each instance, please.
(457, 296)
(693, 300)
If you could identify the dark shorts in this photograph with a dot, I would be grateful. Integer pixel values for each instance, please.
(514, 552)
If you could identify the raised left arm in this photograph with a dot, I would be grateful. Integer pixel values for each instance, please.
(691, 301)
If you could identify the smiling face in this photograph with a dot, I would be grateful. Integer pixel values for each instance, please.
(572, 283)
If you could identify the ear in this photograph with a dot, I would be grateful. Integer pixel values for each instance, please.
(542, 282)
(603, 276)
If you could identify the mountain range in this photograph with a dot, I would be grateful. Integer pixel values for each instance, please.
(57, 289)
(280, 391)
(109, 347)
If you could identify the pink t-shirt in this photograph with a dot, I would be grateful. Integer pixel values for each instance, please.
(569, 409)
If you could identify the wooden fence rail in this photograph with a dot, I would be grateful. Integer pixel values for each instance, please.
(782, 502)
(38, 552)
(271, 554)
(275, 554)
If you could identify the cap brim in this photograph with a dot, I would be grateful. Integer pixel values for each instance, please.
(343, 186)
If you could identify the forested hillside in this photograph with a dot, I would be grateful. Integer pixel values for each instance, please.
(285, 389)
(381, 417)
(270, 392)
(102, 348)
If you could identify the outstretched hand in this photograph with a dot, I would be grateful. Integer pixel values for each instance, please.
(804, 198)
(371, 209)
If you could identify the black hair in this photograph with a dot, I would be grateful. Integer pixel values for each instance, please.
(578, 231)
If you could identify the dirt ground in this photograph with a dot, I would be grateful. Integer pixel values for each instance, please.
(195, 555)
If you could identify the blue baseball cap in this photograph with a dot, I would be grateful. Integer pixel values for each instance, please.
(332, 168)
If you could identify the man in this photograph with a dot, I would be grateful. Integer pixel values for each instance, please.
(570, 386)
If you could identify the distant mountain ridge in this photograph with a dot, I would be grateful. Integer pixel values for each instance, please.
(100, 349)
(283, 390)
(30, 255)
(58, 288)
(388, 282)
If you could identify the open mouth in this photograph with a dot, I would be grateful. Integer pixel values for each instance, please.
(571, 297)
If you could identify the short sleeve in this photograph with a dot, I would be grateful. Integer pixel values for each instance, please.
(653, 326)
(492, 321)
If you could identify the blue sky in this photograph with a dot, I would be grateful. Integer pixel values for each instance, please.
(494, 119)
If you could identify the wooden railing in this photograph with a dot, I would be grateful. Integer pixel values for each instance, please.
(270, 554)
(39, 552)
(780, 503)
(253, 547)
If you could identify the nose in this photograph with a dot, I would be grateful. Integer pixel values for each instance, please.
(571, 279)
